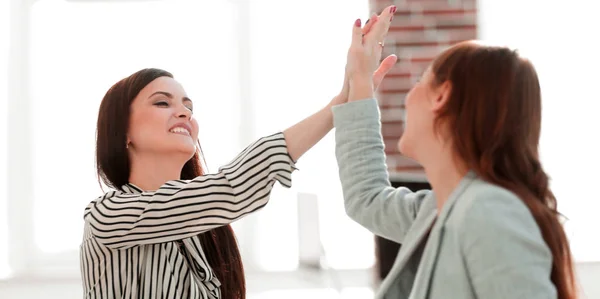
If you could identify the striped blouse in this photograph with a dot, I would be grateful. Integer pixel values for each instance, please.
(144, 244)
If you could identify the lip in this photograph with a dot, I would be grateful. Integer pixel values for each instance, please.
(182, 125)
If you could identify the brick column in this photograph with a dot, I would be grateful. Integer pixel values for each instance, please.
(421, 29)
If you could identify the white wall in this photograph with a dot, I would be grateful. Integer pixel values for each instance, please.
(561, 39)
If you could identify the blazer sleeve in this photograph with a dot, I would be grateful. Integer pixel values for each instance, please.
(369, 197)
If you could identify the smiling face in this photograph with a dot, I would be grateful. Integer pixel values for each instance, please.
(161, 120)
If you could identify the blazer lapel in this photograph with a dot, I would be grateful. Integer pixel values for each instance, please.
(428, 261)
(429, 258)
(412, 240)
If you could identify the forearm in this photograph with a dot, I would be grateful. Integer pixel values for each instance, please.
(305, 134)
(368, 196)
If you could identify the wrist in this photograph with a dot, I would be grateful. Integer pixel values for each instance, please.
(361, 89)
(337, 100)
(360, 96)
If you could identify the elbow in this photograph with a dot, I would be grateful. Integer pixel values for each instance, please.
(356, 204)
(350, 210)
(351, 205)
(355, 212)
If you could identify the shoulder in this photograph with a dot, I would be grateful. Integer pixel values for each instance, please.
(502, 244)
(94, 203)
(485, 208)
(481, 195)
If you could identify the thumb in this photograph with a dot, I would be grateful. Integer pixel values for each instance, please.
(386, 65)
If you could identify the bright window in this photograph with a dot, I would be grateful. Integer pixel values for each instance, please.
(79, 50)
(298, 66)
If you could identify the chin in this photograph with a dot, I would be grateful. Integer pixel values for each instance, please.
(186, 149)
(190, 151)
(404, 148)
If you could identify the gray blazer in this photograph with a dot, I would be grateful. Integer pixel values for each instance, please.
(484, 243)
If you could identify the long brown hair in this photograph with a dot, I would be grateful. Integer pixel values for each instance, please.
(494, 113)
(112, 165)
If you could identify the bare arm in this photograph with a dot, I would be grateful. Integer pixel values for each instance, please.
(305, 134)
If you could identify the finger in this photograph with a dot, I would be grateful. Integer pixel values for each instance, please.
(356, 34)
(380, 29)
(386, 65)
(369, 24)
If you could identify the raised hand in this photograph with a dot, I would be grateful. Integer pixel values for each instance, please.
(364, 71)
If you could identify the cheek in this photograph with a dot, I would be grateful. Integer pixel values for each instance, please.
(144, 125)
(411, 125)
(414, 112)
(195, 128)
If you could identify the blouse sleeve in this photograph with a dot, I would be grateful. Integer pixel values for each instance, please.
(184, 208)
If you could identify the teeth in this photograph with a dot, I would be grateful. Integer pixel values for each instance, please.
(180, 130)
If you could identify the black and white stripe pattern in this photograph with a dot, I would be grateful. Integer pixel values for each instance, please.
(140, 244)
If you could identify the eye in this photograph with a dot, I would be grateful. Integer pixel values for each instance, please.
(161, 104)
(190, 107)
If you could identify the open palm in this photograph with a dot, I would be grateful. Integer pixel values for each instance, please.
(384, 67)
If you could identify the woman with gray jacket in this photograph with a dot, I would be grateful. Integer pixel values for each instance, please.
(489, 228)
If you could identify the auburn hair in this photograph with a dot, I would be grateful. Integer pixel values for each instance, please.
(494, 112)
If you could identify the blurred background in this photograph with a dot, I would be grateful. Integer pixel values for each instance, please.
(254, 67)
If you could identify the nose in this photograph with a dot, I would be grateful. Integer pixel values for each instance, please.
(184, 112)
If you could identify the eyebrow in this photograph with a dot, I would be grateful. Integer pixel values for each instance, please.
(170, 96)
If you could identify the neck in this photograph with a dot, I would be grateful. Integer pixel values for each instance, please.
(444, 175)
(150, 172)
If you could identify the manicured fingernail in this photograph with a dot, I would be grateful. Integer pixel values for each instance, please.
(357, 23)
(392, 9)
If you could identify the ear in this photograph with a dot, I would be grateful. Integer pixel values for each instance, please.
(442, 95)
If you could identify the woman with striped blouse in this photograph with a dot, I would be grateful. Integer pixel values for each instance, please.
(164, 231)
